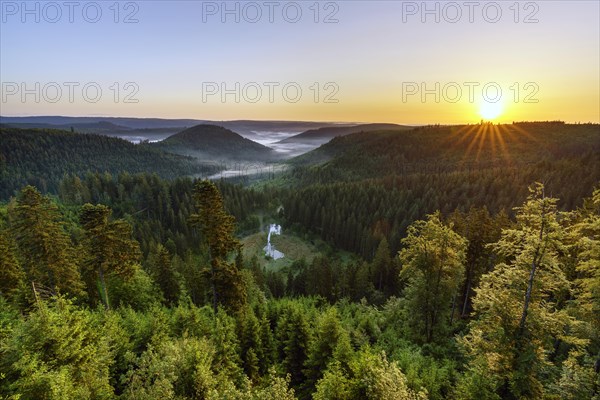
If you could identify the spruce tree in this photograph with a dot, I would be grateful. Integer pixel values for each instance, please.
(11, 274)
(516, 320)
(217, 233)
(110, 249)
(165, 274)
(433, 265)
(45, 249)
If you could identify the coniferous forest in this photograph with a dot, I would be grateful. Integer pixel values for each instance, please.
(446, 262)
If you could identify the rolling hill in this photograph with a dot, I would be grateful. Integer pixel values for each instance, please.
(325, 134)
(43, 157)
(215, 143)
(422, 149)
(358, 187)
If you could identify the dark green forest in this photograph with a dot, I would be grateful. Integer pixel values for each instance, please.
(474, 269)
(42, 157)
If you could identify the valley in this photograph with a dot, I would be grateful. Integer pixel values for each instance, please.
(361, 223)
(300, 200)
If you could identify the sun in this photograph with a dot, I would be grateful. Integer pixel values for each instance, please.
(490, 111)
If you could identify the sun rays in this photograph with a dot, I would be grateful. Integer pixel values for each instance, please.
(490, 143)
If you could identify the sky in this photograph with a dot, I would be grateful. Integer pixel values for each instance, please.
(354, 61)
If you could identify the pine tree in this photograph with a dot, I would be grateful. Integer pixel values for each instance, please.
(217, 231)
(165, 274)
(433, 264)
(587, 232)
(293, 337)
(516, 318)
(251, 344)
(11, 274)
(382, 268)
(110, 249)
(268, 345)
(322, 348)
(46, 251)
(480, 229)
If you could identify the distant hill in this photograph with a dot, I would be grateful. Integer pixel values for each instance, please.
(43, 157)
(249, 128)
(358, 187)
(453, 147)
(243, 127)
(211, 142)
(84, 127)
(137, 130)
(131, 123)
(325, 134)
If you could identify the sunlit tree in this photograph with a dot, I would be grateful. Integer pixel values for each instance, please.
(516, 320)
(433, 264)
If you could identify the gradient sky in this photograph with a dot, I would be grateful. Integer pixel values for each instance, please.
(369, 57)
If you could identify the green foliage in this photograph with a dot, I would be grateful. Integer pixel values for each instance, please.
(173, 369)
(276, 388)
(370, 377)
(42, 157)
(46, 252)
(293, 336)
(380, 182)
(322, 348)
(578, 380)
(165, 274)
(480, 229)
(11, 274)
(190, 322)
(109, 247)
(586, 231)
(437, 376)
(139, 292)
(384, 271)
(58, 352)
(433, 266)
(217, 229)
(517, 318)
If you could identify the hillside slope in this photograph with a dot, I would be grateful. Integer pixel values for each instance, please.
(358, 188)
(43, 157)
(215, 143)
(325, 134)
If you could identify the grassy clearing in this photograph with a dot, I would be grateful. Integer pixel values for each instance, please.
(292, 246)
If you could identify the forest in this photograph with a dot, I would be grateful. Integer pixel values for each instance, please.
(473, 272)
(42, 157)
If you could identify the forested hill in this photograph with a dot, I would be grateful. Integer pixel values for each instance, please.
(358, 188)
(215, 143)
(327, 133)
(43, 157)
(370, 154)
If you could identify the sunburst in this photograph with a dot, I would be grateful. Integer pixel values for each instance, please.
(489, 142)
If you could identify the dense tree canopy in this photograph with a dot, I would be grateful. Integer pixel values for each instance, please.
(459, 283)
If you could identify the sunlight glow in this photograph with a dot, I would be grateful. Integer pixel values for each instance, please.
(490, 111)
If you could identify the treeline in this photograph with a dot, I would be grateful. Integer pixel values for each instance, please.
(481, 307)
(42, 157)
(376, 184)
(159, 209)
(375, 281)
